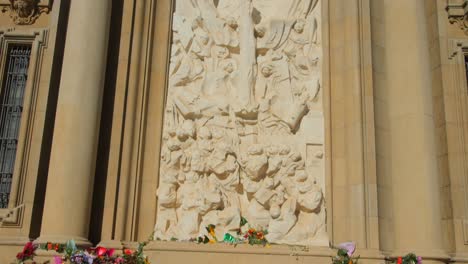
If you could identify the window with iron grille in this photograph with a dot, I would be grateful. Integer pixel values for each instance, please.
(11, 107)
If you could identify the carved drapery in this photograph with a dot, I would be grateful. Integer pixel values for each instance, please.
(458, 13)
(243, 126)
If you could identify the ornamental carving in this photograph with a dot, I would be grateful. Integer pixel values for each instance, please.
(244, 130)
(458, 13)
(25, 12)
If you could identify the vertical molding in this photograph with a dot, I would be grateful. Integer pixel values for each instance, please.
(353, 129)
(457, 114)
(113, 181)
(157, 89)
(130, 160)
(368, 128)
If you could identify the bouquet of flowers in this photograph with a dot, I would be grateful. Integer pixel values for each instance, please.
(345, 253)
(28, 253)
(70, 254)
(410, 258)
(251, 236)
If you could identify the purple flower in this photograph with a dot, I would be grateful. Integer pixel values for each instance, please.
(350, 247)
(419, 260)
(78, 258)
(89, 257)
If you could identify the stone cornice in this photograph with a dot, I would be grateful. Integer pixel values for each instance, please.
(458, 13)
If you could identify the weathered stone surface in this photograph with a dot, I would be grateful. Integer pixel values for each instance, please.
(243, 131)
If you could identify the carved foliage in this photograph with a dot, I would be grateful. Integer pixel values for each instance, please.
(25, 12)
(458, 13)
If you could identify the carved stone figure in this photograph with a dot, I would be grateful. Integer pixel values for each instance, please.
(244, 82)
(25, 12)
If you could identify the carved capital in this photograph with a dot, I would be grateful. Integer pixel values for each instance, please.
(458, 13)
(25, 12)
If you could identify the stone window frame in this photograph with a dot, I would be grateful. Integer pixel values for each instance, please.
(13, 216)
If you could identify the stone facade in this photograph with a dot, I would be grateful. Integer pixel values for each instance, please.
(321, 121)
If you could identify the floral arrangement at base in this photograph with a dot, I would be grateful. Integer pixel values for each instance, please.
(28, 253)
(345, 253)
(70, 254)
(251, 236)
(410, 258)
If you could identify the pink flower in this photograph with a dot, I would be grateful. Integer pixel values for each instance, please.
(58, 260)
(350, 247)
(119, 260)
(419, 260)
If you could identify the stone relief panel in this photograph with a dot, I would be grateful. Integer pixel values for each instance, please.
(244, 130)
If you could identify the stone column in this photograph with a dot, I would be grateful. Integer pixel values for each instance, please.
(73, 157)
(413, 174)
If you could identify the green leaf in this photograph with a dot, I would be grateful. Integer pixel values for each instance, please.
(342, 252)
(243, 221)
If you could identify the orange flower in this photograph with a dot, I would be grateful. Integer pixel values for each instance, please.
(128, 251)
(350, 261)
(251, 231)
(49, 246)
(260, 235)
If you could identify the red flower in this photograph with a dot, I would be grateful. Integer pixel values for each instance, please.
(128, 252)
(100, 251)
(56, 247)
(28, 249)
(49, 246)
(399, 260)
(20, 256)
(27, 253)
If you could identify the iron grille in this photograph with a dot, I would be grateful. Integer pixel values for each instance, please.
(11, 107)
